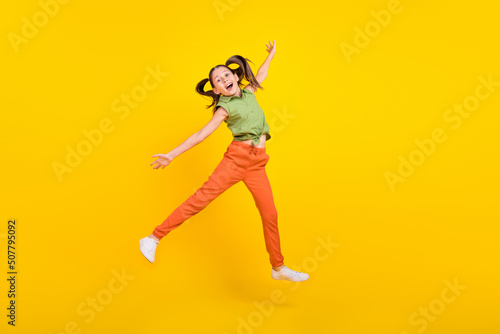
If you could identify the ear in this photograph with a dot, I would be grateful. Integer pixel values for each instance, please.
(215, 91)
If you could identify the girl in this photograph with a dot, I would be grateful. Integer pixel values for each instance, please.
(244, 160)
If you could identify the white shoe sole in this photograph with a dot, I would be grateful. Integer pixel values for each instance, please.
(281, 278)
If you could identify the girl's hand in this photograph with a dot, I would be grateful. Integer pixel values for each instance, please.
(163, 160)
(271, 48)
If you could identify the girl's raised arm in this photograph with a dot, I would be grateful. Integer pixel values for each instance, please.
(263, 69)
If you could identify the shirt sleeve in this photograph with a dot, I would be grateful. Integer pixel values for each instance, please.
(224, 105)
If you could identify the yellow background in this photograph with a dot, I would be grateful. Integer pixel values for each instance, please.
(350, 118)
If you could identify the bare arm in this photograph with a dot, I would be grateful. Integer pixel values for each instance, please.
(193, 140)
(264, 68)
(187, 144)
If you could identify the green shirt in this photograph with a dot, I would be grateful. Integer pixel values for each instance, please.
(246, 119)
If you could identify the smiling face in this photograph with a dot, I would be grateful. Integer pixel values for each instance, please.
(225, 82)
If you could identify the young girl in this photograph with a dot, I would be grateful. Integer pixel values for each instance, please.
(244, 160)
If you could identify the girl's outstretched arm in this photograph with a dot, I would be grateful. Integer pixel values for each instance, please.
(263, 69)
(163, 160)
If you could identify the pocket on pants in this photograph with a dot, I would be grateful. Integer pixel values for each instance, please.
(266, 159)
(228, 161)
(233, 160)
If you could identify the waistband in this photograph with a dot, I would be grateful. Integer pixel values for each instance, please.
(249, 148)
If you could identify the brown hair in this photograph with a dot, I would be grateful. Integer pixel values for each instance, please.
(243, 71)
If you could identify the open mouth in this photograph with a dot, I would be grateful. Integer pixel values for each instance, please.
(229, 86)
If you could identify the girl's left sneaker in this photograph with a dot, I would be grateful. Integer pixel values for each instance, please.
(288, 274)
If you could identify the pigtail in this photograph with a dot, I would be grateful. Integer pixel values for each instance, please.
(210, 93)
(243, 71)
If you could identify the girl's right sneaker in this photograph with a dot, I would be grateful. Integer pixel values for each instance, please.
(288, 274)
(148, 248)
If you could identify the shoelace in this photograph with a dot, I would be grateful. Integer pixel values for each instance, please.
(292, 272)
(152, 246)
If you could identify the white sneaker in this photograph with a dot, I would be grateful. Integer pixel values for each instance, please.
(148, 248)
(289, 275)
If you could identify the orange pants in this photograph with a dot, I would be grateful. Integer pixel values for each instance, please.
(241, 162)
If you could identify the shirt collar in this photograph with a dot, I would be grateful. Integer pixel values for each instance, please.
(224, 98)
